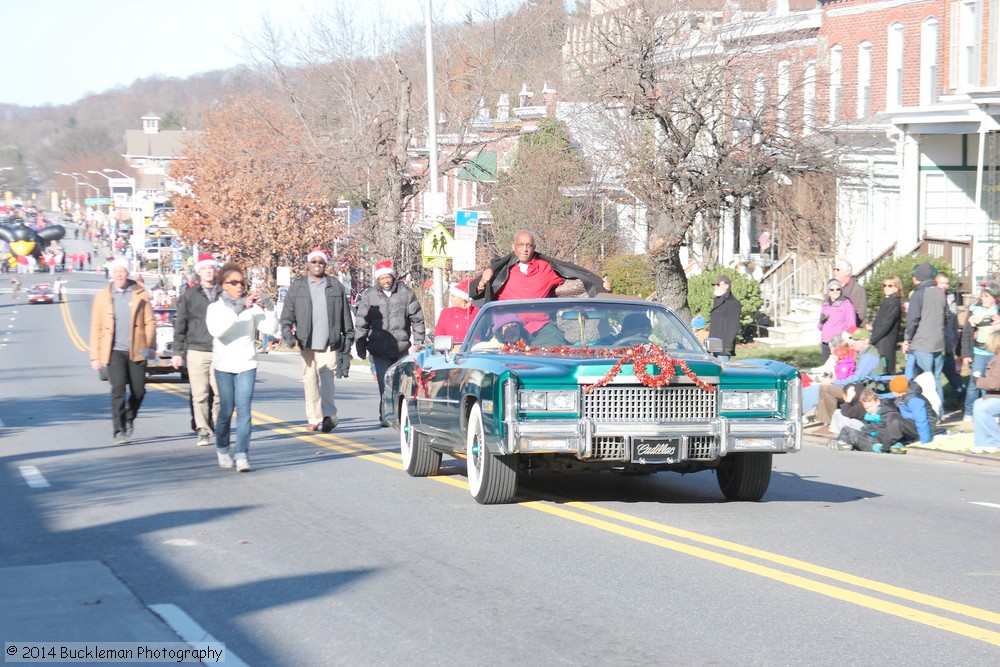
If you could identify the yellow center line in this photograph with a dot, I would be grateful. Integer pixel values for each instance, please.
(74, 335)
(581, 513)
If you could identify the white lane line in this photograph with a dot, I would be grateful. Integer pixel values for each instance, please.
(35, 479)
(189, 630)
(993, 505)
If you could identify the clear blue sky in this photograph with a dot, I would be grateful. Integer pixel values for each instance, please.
(57, 51)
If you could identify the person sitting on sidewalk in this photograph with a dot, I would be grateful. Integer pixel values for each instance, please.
(915, 408)
(986, 408)
(883, 428)
(827, 394)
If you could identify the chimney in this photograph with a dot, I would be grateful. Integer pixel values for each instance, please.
(549, 97)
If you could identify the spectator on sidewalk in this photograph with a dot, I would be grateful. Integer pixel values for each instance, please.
(883, 428)
(836, 316)
(843, 272)
(885, 328)
(926, 317)
(826, 395)
(950, 369)
(724, 320)
(986, 409)
(916, 408)
(982, 320)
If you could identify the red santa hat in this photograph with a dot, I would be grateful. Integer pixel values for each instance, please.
(317, 253)
(204, 259)
(384, 269)
(461, 289)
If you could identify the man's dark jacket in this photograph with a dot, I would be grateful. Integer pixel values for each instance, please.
(725, 323)
(384, 322)
(190, 332)
(501, 271)
(297, 313)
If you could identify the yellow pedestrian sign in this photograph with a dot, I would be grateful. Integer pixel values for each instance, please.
(435, 249)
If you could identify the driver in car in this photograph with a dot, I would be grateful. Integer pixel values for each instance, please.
(635, 330)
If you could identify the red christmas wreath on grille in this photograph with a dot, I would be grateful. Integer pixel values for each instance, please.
(640, 356)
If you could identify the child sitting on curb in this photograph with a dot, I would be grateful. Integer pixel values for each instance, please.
(883, 428)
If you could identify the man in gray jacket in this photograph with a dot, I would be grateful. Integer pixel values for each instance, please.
(387, 314)
(926, 315)
(317, 316)
(193, 346)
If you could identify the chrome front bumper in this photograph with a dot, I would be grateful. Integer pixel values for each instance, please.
(578, 436)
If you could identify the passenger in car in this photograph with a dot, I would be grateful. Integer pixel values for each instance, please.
(507, 329)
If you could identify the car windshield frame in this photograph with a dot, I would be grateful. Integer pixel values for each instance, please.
(556, 326)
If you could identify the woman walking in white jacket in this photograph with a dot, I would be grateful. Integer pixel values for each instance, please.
(232, 320)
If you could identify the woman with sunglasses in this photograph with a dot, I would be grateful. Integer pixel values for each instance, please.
(232, 320)
(885, 328)
(836, 316)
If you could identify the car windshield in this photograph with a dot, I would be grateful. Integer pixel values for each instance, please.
(164, 317)
(548, 326)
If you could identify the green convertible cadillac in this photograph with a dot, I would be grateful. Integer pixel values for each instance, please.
(590, 384)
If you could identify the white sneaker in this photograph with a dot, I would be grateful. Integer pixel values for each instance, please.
(204, 438)
(242, 465)
(982, 449)
(967, 418)
(225, 460)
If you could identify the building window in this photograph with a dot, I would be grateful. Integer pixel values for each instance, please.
(969, 30)
(809, 97)
(864, 79)
(894, 67)
(836, 58)
(928, 61)
(784, 73)
(739, 117)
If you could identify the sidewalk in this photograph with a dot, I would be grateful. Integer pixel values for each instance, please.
(79, 601)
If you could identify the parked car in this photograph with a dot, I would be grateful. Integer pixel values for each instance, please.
(160, 364)
(602, 385)
(41, 293)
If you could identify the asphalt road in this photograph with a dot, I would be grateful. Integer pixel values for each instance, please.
(329, 554)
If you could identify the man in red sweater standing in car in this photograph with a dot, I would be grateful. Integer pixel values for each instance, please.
(525, 274)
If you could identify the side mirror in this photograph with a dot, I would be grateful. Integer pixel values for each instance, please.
(445, 343)
(713, 345)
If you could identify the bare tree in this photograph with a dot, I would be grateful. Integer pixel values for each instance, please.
(700, 112)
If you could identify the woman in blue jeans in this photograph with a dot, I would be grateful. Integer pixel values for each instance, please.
(232, 320)
(986, 409)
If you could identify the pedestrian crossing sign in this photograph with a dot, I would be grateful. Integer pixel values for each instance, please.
(436, 246)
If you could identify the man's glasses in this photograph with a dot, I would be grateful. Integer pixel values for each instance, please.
(524, 245)
(316, 261)
(235, 282)
(834, 289)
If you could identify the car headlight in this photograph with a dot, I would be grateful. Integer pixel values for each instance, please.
(547, 401)
(751, 401)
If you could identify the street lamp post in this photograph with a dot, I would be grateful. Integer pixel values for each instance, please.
(76, 186)
(111, 194)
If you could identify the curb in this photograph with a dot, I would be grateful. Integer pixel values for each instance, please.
(926, 452)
